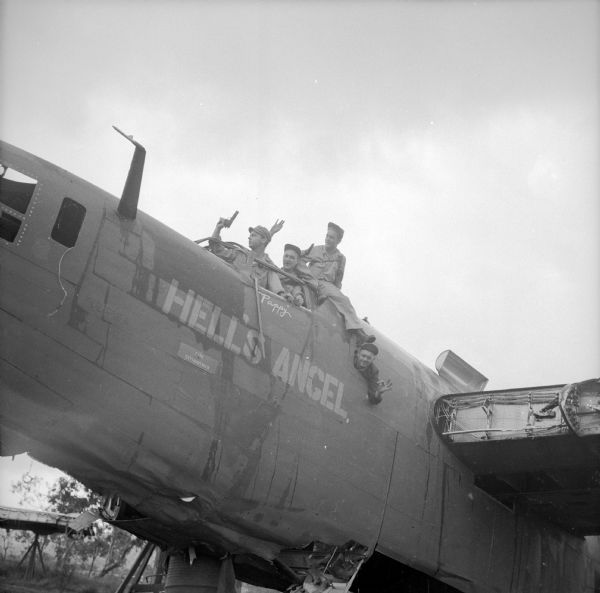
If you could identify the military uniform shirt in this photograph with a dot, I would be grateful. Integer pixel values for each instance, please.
(291, 287)
(371, 375)
(245, 262)
(325, 266)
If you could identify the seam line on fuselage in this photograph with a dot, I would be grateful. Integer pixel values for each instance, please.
(76, 353)
(387, 493)
(91, 362)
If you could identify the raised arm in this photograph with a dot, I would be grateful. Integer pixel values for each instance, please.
(222, 223)
(277, 226)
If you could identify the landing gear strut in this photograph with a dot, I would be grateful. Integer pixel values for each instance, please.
(186, 573)
(202, 576)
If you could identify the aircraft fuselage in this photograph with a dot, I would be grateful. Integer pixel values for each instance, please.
(132, 359)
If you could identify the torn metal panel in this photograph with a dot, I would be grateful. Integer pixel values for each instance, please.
(324, 568)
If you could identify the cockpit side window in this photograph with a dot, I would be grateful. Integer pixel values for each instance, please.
(16, 191)
(9, 226)
(68, 222)
(16, 195)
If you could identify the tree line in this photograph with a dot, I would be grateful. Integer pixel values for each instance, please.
(97, 555)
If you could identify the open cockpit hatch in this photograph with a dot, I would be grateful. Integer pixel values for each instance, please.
(16, 192)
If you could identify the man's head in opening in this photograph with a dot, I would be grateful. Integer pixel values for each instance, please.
(366, 355)
(291, 257)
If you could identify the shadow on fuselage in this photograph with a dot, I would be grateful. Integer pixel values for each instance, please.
(381, 574)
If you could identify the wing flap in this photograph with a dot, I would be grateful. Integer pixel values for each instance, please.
(536, 448)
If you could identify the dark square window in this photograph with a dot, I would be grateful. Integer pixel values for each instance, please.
(9, 226)
(16, 194)
(68, 222)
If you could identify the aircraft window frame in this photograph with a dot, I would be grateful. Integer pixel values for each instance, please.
(9, 226)
(310, 296)
(68, 222)
(306, 289)
(310, 302)
(15, 202)
(282, 298)
(18, 199)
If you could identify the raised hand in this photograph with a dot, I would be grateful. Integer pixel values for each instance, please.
(383, 386)
(307, 251)
(277, 226)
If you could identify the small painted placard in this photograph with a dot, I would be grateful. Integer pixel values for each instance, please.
(198, 359)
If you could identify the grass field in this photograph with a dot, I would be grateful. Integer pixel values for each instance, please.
(12, 581)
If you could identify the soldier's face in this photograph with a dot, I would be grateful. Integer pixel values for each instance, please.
(331, 239)
(365, 358)
(255, 240)
(290, 259)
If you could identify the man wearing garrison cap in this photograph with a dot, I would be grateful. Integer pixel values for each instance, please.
(249, 262)
(363, 362)
(327, 264)
(294, 289)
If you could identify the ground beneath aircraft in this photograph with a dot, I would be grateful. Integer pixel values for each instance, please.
(8, 587)
(15, 584)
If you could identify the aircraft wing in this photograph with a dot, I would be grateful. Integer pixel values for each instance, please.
(44, 522)
(537, 449)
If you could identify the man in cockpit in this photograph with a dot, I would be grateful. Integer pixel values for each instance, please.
(364, 358)
(249, 262)
(293, 288)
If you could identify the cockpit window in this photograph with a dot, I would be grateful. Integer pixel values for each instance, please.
(16, 194)
(16, 191)
(9, 226)
(68, 222)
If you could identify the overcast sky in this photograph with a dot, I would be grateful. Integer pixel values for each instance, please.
(456, 143)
